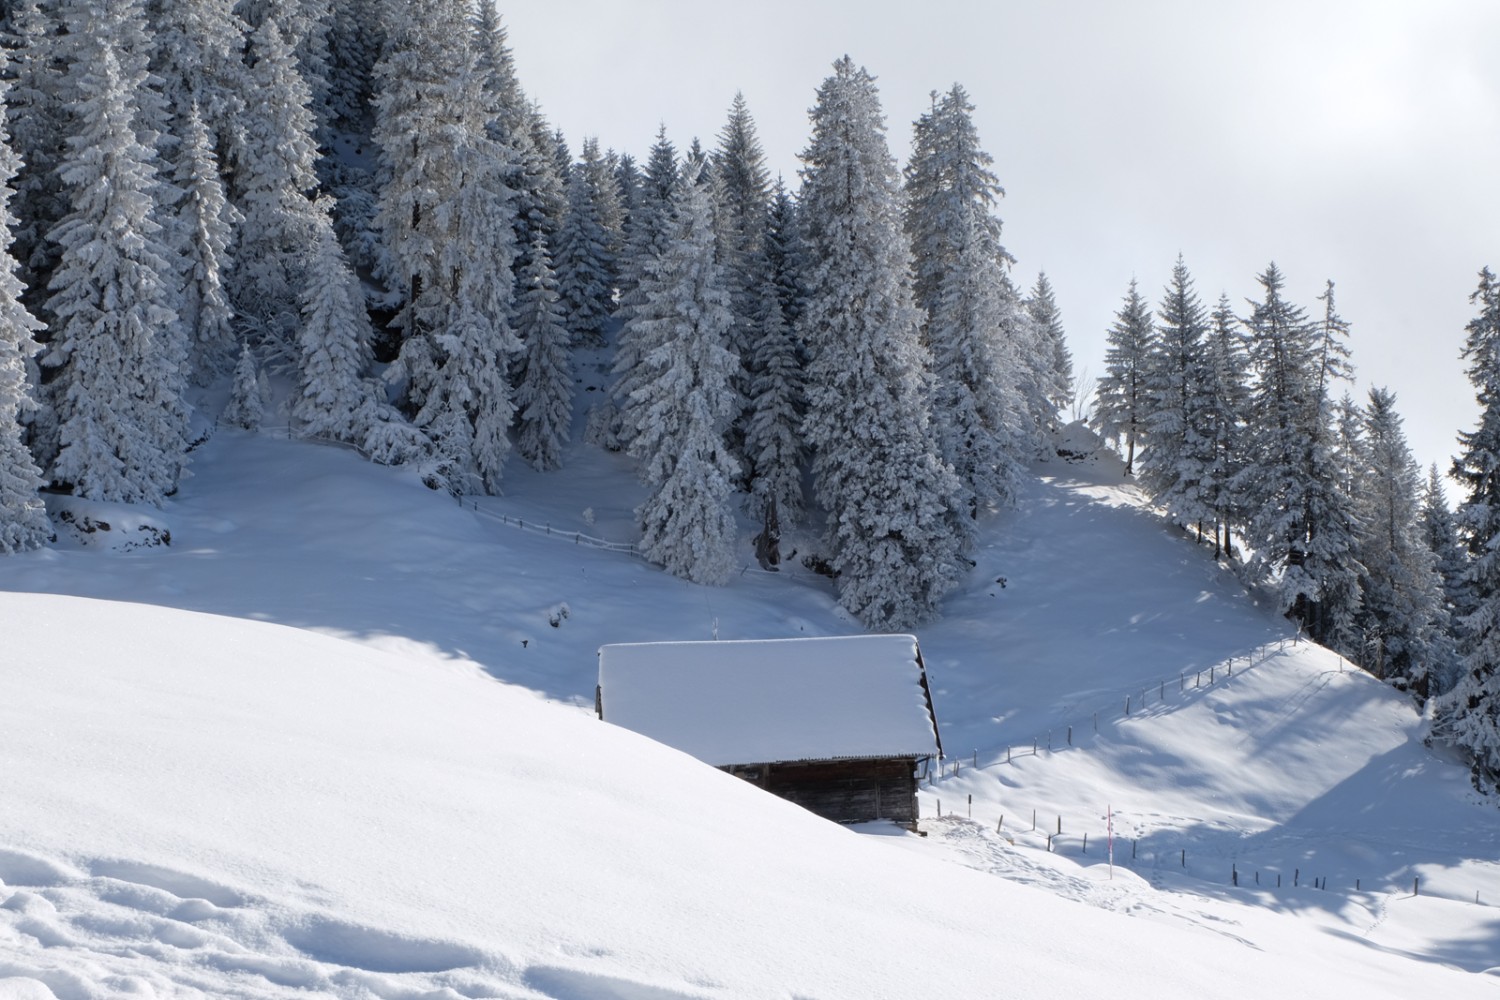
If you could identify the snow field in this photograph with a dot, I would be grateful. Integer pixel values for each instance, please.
(207, 805)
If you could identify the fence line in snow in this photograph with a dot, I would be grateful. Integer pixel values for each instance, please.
(545, 528)
(1135, 701)
(1060, 838)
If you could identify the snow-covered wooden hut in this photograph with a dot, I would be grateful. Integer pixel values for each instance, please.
(838, 725)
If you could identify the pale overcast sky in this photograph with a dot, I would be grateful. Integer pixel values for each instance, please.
(1357, 141)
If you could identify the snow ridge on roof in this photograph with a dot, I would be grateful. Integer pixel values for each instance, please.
(773, 700)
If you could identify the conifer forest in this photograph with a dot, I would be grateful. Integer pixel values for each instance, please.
(358, 201)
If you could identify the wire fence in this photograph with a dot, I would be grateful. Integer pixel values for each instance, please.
(1050, 831)
(1128, 703)
(1048, 828)
(545, 529)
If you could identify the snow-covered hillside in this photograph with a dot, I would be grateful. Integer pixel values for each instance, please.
(404, 795)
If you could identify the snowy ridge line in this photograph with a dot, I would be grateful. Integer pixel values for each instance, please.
(1114, 715)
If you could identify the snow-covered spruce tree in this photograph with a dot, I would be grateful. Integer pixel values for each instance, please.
(245, 405)
(598, 168)
(1054, 362)
(1120, 399)
(544, 391)
(305, 25)
(354, 40)
(683, 405)
(198, 59)
(583, 265)
(1401, 617)
(1469, 716)
(773, 434)
(205, 218)
(743, 192)
(505, 101)
(948, 187)
(447, 220)
(784, 252)
(38, 114)
(628, 181)
(1440, 533)
(1301, 524)
(118, 394)
(23, 518)
(775, 406)
(960, 284)
(516, 125)
(1226, 392)
(273, 186)
(1179, 422)
(333, 398)
(649, 224)
(648, 238)
(897, 528)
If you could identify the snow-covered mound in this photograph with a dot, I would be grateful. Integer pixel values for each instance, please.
(199, 806)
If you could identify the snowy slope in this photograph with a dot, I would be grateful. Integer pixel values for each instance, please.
(220, 805)
(201, 804)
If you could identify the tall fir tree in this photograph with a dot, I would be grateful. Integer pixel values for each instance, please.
(774, 448)
(38, 115)
(1302, 526)
(649, 236)
(205, 218)
(1440, 533)
(198, 59)
(448, 222)
(274, 186)
(1402, 619)
(1226, 392)
(683, 405)
(896, 525)
(1120, 398)
(1053, 360)
(23, 517)
(544, 391)
(515, 125)
(584, 268)
(333, 399)
(960, 285)
(743, 193)
(354, 41)
(1179, 423)
(1469, 715)
(118, 393)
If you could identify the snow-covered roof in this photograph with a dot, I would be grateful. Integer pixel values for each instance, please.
(763, 701)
